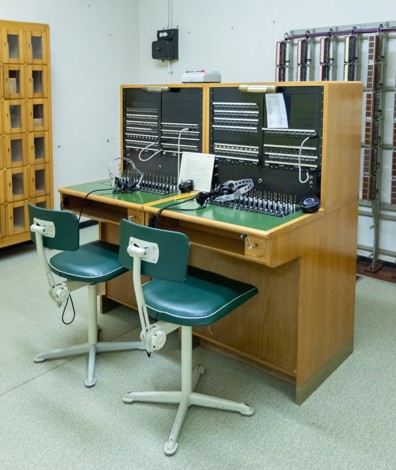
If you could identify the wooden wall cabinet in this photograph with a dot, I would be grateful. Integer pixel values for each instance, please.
(25, 127)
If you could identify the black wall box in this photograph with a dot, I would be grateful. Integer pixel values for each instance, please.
(166, 47)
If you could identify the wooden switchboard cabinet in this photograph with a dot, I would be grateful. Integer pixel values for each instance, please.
(300, 327)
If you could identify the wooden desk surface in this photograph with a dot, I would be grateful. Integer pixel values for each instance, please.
(233, 219)
(102, 189)
(98, 201)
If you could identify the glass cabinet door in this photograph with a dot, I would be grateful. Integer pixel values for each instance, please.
(36, 47)
(38, 147)
(38, 115)
(37, 81)
(17, 217)
(39, 180)
(13, 46)
(42, 201)
(14, 116)
(15, 150)
(14, 82)
(17, 188)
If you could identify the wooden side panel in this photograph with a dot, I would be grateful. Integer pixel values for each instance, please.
(341, 143)
(265, 328)
(327, 286)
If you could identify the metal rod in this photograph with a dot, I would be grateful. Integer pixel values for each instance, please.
(347, 32)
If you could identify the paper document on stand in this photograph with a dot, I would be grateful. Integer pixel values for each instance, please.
(199, 168)
(276, 111)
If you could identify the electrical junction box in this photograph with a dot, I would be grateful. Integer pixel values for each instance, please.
(167, 45)
(201, 76)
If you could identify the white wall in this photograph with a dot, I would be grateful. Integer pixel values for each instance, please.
(94, 48)
(238, 39)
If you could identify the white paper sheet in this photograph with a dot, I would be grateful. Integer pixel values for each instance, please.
(199, 168)
(276, 111)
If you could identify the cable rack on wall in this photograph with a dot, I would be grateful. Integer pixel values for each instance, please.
(356, 52)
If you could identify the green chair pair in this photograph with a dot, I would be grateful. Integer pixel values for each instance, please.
(176, 296)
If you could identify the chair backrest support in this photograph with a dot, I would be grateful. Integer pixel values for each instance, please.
(67, 234)
(174, 250)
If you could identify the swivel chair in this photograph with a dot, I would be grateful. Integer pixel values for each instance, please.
(87, 265)
(177, 296)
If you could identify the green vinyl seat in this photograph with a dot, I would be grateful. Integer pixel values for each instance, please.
(204, 298)
(177, 296)
(93, 262)
(89, 264)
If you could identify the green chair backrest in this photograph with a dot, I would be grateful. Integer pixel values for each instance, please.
(174, 250)
(67, 230)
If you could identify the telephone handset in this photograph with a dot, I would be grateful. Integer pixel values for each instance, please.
(228, 191)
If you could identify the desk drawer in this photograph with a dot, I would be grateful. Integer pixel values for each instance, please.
(228, 242)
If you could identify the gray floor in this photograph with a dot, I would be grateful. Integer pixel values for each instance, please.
(49, 420)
